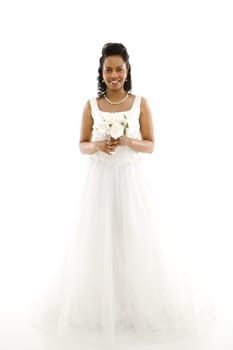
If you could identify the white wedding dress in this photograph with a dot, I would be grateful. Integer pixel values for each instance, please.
(113, 279)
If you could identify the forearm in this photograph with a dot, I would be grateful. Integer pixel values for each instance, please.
(143, 146)
(88, 147)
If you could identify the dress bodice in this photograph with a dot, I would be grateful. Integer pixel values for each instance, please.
(100, 129)
(132, 117)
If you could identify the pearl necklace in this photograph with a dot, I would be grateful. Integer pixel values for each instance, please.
(116, 102)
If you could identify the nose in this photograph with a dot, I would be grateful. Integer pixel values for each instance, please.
(113, 73)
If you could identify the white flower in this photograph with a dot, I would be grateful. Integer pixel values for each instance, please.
(113, 125)
(110, 118)
(116, 130)
(120, 118)
(103, 127)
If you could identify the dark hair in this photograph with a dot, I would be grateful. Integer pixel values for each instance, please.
(110, 49)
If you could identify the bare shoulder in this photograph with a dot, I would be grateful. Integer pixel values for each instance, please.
(145, 108)
(144, 102)
(87, 106)
(86, 123)
(146, 122)
(87, 112)
(87, 119)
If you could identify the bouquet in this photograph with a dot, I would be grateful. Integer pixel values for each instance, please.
(113, 126)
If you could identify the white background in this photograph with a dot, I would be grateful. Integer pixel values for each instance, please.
(181, 55)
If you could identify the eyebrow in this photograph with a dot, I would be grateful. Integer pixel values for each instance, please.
(116, 67)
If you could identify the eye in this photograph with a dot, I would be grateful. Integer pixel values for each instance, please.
(107, 70)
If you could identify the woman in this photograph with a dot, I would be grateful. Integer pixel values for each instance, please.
(114, 83)
(113, 278)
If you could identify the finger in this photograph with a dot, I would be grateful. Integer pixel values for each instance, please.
(108, 149)
(113, 144)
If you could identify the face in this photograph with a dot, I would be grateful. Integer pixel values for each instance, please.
(114, 72)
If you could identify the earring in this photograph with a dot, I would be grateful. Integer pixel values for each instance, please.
(102, 81)
(126, 80)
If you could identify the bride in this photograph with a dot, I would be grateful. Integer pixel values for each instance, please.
(114, 278)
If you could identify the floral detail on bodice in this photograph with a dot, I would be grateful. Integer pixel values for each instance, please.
(114, 126)
(121, 123)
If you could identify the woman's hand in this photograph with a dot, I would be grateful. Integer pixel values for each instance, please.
(123, 141)
(107, 146)
(136, 144)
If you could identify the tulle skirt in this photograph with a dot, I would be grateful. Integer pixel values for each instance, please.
(114, 278)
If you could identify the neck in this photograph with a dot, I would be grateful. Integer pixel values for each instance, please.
(116, 94)
(116, 102)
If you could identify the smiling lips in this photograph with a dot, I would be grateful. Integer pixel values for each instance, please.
(114, 81)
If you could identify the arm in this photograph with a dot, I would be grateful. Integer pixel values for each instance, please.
(87, 146)
(146, 144)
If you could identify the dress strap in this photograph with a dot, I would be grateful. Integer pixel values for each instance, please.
(137, 102)
(94, 106)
